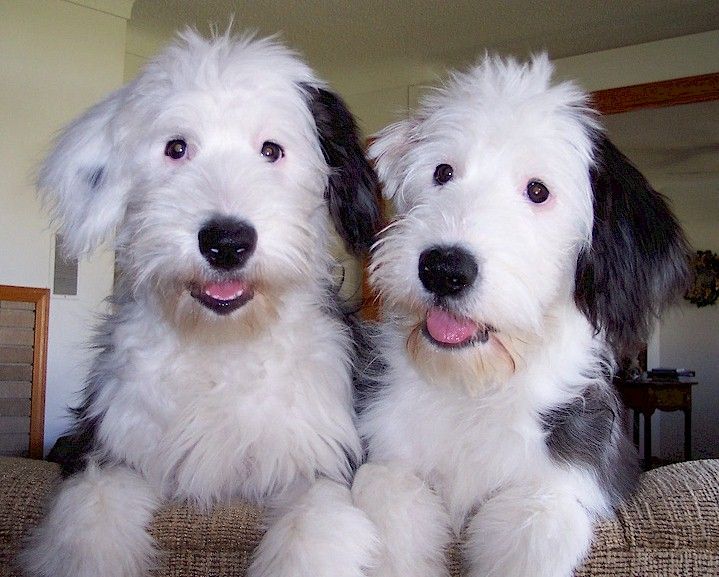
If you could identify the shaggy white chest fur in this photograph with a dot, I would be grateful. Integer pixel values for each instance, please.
(207, 419)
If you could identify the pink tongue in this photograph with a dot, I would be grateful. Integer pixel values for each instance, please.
(225, 291)
(449, 329)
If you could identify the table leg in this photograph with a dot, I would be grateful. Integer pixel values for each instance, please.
(688, 434)
(647, 441)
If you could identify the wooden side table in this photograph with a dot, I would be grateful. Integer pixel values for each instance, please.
(644, 396)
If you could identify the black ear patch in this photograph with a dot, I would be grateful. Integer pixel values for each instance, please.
(352, 191)
(638, 260)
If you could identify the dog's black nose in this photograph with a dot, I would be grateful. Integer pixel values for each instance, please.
(447, 271)
(227, 243)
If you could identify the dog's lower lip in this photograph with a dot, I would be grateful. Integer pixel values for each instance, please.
(240, 295)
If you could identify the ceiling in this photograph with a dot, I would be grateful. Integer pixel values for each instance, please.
(340, 34)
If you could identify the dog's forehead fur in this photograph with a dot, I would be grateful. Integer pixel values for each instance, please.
(243, 79)
(497, 92)
(228, 62)
(499, 106)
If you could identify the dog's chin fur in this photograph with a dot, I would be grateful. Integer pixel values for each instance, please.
(185, 314)
(195, 320)
(222, 371)
(473, 367)
(519, 443)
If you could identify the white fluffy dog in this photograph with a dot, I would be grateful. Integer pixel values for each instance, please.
(526, 254)
(224, 370)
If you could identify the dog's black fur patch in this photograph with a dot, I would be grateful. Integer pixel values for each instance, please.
(638, 260)
(592, 431)
(94, 177)
(369, 368)
(72, 450)
(353, 191)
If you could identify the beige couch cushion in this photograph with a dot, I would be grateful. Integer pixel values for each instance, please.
(24, 488)
(671, 527)
(197, 545)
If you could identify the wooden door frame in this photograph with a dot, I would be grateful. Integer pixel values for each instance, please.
(40, 297)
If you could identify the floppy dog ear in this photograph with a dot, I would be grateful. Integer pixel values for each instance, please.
(386, 151)
(81, 181)
(352, 188)
(638, 262)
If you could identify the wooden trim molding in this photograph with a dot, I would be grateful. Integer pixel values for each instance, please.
(686, 90)
(41, 299)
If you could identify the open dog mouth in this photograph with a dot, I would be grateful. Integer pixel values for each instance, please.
(223, 297)
(448, 330)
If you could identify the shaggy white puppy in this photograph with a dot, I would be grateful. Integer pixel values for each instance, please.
(526, 254)
(223, 370)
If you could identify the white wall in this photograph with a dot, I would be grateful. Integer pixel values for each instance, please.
(57, 59)
(689, 335)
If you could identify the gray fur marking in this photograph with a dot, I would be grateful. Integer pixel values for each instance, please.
(592, 432)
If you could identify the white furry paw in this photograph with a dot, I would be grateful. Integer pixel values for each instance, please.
(95, 528)
(321, 534)
(524, 533)
(410, 518)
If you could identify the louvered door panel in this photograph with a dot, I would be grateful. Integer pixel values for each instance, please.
(23, 346)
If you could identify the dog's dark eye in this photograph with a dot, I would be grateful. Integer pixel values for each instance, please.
(272, 151)
(443, 173)
(176, 149)
(537, 192)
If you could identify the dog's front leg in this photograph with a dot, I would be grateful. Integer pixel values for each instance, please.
(315, 531)
(412, 522)
(528, 531)
(96, 526)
